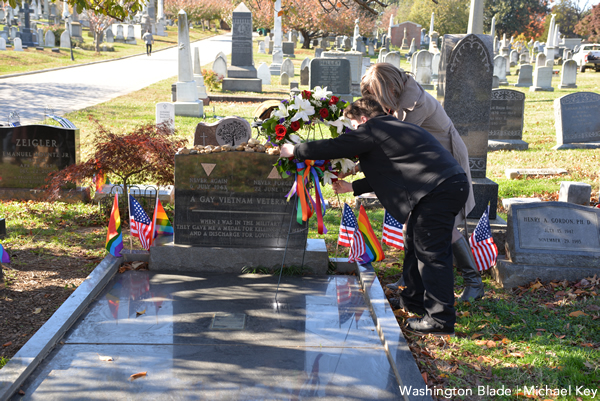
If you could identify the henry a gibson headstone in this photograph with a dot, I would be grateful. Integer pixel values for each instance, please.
(577, 120)
(333, 73)
(464, 89)
(506, 120)
(550, 241)
(228, 131)
(29, 153)
(231, 213)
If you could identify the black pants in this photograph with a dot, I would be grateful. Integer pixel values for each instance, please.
(148, 48)
(428, 251)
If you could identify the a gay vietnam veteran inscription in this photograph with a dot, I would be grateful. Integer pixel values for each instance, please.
(233, 199)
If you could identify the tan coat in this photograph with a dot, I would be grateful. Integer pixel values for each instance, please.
(420, 108)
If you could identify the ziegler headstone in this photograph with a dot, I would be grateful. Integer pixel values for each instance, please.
(577, 120)
(233, 199)
(333, 73)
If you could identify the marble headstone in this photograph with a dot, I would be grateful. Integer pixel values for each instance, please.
(577, 121)
(500, 69)
(525, 77)
(220, 67)
(393, 58)
(2, 44)
(304, 75)
(263, 73)
(568, 75)
(542, 80)
(50, 40)
(423, 64)
(65, 40)
(285, 78)
(506, 120)
(165, 113)
(227, 131)
(17, 45)
(288, 67)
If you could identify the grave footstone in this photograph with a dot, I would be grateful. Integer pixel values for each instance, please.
(577, 121)
(288, 67)
(506, 120)
(464, 89)
(227, 131)
(333, 73)
(514, 173)
(263, 73)
(575, 192)
(165, 113)
(568, 75)
(525, 78)
(542, 80)
(241, 75)
(31, 152)
(549, 241)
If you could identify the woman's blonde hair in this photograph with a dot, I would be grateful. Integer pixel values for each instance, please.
(386, 83)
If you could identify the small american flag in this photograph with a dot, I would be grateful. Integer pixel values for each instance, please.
(482, 244)
(348, 226)
(357, 248)
(392, 232)
(140, 224)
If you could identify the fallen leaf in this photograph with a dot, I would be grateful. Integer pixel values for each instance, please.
(536, 285)
(589, 365)
(480, 342)
(560, 337)
(579, 292)
(505, 340)
(8, 344)
(464, 314)
(136, 265)
(477, 367)
(486, 314)
(577, 314)
(424, 374)
(491, 344)
(137, 376)
(105, 358)
(37, 310)
(476, 335)
(484, 359)
(140, 313)
(593, 307)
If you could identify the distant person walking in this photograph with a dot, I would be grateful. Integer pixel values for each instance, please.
(149, 39)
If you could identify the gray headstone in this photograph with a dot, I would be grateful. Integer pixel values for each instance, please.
(333, 73)
(467, 59)
(423, 64)
(220, 67)
(568, 75)
(288, 67)
(263, 73)
(553, 234)
(318, 52)
(355, 59)
(165, 113)
(261, 48)
(242, 65)
(39, 150)
(305, 63)
(500, 69)
(525, 78)
(233, 200)
(120, 35)
(304, 75)
(575, 192)
(288, 49)
(222, 55)
(228, 131)
(17, 45)
(542, 80)
(506, 120)
(110, 36)
(393, 58)
(2, 44)
(285, 78)
(514, 58)
(540, 60)
(65, 40)
(577, 120)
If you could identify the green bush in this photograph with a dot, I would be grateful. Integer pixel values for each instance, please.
(212, 80)
(104, 47)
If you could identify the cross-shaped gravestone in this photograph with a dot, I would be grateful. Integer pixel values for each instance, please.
(26, 35)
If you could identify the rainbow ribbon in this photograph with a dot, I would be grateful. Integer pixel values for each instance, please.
(307, 171)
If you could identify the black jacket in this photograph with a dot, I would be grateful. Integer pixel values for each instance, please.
(401, 161)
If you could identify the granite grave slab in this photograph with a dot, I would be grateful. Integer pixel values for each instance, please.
(230, 130)
(577, 121)
(333, 73)
(506, 120)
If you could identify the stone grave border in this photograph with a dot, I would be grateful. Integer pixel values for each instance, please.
(39, 346)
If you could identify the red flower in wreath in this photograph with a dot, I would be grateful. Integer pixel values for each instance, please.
(306, 94)
(324, 113)
(295, 125)
(334, 100)
(280, 132)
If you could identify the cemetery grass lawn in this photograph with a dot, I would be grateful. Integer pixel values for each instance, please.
(31, 59)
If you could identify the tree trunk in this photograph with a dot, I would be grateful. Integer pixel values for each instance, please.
(97, 39)
(306, 44)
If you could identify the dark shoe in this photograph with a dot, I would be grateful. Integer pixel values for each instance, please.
(465, 263)
(398, 303)
(421, 327)
(394, 286)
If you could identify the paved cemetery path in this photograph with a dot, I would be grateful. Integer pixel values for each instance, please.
(70, 89)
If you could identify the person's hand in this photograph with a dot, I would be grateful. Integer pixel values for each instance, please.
(340, 187)
(354, 170)
(286, 150)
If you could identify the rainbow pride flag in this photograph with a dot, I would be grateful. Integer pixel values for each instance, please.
(373, 250)
(114, 237)
(4, 257)
(162, 224)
